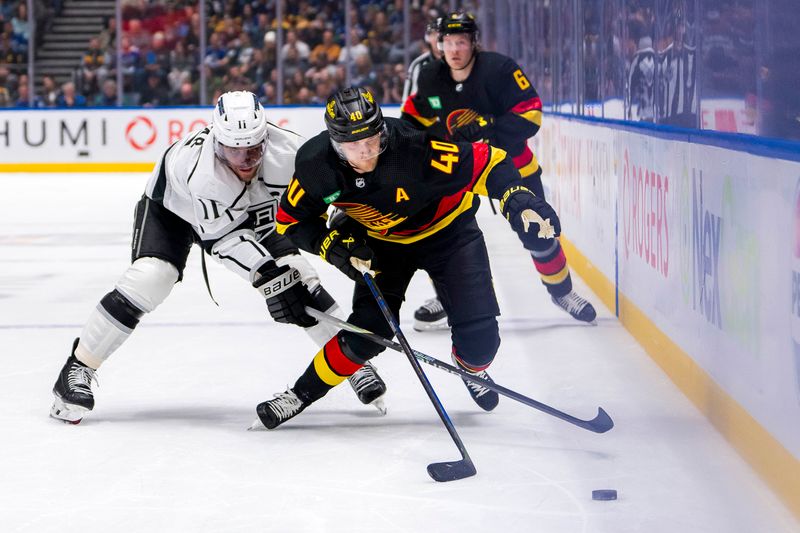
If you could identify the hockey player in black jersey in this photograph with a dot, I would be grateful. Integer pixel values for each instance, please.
(410, 200)
(473, 95)
(216, 187)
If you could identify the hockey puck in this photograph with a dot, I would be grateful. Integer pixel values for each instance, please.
(604, 494)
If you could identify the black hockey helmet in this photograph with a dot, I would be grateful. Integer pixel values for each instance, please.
(352, 114)
(459, 22)
(433, 25)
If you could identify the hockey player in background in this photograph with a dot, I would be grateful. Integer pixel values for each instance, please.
(433, 53)
(477, 96)
(410, 204)
(217, 187)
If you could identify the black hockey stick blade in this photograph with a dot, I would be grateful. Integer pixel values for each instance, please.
(451, 470)
(599, 424)
(445, 471)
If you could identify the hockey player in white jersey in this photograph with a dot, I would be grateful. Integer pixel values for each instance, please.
(217, 187)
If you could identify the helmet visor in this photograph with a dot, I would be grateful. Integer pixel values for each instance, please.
(240, 157)
(362, 150)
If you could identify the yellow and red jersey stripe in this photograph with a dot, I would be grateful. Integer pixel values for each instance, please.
(530, 110)
(410, 109)
(283, 221)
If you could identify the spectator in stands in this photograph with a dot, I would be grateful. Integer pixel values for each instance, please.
(357, 48)
(49, 92)
(155, 92)
(182, 66)
(69, 98)
(378, 48)
(21, 31)
(216, 55)
(7, 8)
(261, 28)
(292, 41)
(322, 91)
(187, 95)
(267, 94)
(246, 51)
(157, 58)
(93, 60)
(23, 97)
(8, 54)
(136, 34)
(108, 36)
(5, 94)
(363, 74)
(292, 62)
(131, 63)
(108, 96)
(327, 47)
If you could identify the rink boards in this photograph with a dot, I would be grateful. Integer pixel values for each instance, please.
(694, 241)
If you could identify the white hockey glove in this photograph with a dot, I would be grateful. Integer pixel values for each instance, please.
(308, 275)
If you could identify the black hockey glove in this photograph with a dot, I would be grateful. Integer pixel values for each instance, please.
(523, 209)
(472, 127)
(343, 250)
(286, 295)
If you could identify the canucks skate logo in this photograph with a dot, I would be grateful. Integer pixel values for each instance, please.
(435, 101)
(370, 217)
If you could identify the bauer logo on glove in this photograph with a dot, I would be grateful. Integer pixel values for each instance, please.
(280, 283)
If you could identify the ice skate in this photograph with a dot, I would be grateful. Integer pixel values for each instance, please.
(73, 390)
(369, 387)
(577, 307)
(485, 398)
(430, 316)
(282, 407)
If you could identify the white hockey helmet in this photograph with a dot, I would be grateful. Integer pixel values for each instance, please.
(240, 130)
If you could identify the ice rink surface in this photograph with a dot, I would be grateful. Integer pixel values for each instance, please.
(166, 448)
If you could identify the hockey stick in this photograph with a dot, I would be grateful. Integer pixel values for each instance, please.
(599, 424)
(444, 471)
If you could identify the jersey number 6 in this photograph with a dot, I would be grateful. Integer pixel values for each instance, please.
(446, 160)
(521, 80)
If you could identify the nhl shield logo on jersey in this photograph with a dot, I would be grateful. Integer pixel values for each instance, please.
(360, 183)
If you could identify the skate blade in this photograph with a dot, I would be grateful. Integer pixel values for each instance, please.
(438, 325)
(257, 426)
(379, 404)
(68, 413)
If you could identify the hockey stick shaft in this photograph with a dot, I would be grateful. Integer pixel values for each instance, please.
(447, 471)
(600, 424)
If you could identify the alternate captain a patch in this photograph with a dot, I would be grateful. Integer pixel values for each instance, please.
(401, 195)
